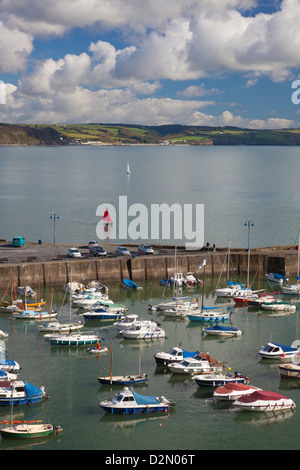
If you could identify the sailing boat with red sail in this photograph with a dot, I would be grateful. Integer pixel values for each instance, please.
(107, 218)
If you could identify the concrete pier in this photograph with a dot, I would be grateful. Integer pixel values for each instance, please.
(151, 267)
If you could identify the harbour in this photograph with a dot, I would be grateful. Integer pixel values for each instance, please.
(70, 373)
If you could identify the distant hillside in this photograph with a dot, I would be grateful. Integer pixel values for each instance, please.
(118, 134)
(28, 135)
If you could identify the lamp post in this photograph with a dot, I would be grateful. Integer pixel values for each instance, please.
(54, 217)
(248, 224)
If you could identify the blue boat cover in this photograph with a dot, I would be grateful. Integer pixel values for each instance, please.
(189, 354)
(32, 390)
(285, 348)
(230, 283)
(129, 283)
(145, 400)
(278, 276)
(221, 328)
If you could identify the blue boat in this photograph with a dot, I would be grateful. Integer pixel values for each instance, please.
(130, 402)
(7, 365)
(207, 314)
(102, 314)
(220, 330)
(130, 284)
(124, 379)
(20, 392)
(279, 351)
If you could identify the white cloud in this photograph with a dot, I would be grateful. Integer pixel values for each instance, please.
(15, 47)
(172, 40)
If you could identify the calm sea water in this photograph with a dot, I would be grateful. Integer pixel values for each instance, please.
(235, 184)
(195, 423)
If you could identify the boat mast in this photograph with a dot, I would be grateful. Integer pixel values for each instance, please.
(111, 362)
(298, 248)
(228, 267)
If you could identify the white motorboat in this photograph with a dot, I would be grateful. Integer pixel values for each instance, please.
(141, 330)
(233, 391)
(223, 331)
(219, 379)
(33, 315)
(57, 327)
(130, 402)
(292, 289)
(230, 291)
(20, 392)
(176, 354)
(279, 351)
(127, 321)
(7, 365)
(88, 301)
(264, 401)
(280, 279)
(73, 287)
(202, 363)
(182, 302)
(279, 306)
(290, 370)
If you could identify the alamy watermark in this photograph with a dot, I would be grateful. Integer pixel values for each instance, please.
(158, 223)
(2, 92)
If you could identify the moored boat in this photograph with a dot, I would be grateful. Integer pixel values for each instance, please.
(141, 330)
(176, 354)
(129, 379)
(33, 315)
(57, 327)
(128, 401)
(279, 306)
(277, 278)
(220, 330)
(74, 339)
(28, 430)
(278, 351)
(232, 391)
(202, 363)
(264, 401)
(102, 314)
(126, 322)
(290, 370)
(20, 392)
(207, 315)
(218, 379)
(131, 284)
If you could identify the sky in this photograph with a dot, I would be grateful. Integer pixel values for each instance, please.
(151, 62)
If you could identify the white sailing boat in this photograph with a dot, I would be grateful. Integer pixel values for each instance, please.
(128, 169)
(55, 326)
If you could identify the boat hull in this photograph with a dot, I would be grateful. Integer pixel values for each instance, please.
(27, 431)
(208, 318)
(135, 410)
(215, 381)
(289, 371)
(124, 380)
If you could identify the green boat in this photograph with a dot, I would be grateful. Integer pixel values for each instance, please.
(28, 430)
